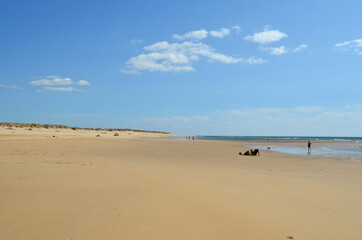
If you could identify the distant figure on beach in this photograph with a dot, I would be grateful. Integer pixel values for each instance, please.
(193, 138)
(309, 147)
(255, 152)
(251, 152)
(248, 152)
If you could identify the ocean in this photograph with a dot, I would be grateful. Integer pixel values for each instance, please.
(282, 138)
(347, 148)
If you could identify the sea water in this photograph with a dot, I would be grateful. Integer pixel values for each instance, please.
(348, 147)
(353, 152)
(282, 138)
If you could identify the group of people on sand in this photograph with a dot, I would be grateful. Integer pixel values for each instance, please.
(251, 152)
(190, 137)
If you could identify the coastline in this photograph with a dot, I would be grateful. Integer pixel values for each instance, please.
(132, 187)
(342, 148)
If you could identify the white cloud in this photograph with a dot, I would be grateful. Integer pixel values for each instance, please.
(219, 57)
(278, 50)
(266, 37)
(236, 28)
(300, 48)
(221, 33)
(194, 35)
(60, 89)
(355, 45)
(253, 60)
(164, 62)
(178, 57)
(11, 87)
(275, 50)
(83, 83)
(342, 44)
(49, 82)
(282, 49)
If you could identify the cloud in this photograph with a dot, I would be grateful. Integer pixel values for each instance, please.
(201, 34)
(356, 42)
(12, 87)
(283, 50)
(221, 33)
(193, 35)
(49, 82)
(60, 89)
(178, 57)
(83, 83)
(237, 29)
(354, 45)
(164, 62)
(278, 51)
(275, 50)
(254, 60)
(266, 37)
(300, 48)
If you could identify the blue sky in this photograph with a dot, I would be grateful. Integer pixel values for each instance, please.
(188, 67)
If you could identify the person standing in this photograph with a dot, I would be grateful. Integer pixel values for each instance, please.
(309, 147)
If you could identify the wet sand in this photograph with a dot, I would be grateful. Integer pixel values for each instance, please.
(82, 187)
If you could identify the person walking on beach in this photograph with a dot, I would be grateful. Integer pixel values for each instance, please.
(309, 147)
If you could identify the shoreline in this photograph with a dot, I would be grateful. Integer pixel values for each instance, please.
(40, 132)
(294, 147)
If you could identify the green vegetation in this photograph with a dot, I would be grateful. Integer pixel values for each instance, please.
(47, 126)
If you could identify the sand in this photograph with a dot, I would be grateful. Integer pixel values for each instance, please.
(76, 186)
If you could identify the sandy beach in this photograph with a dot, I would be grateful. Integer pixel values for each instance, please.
(77, 186)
